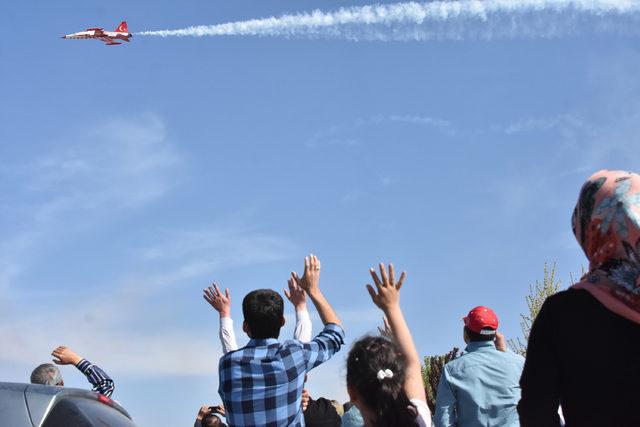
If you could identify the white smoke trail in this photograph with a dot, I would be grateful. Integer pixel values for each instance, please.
(440, 20)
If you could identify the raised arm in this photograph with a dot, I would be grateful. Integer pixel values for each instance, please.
(100, 381)
(222, 304)
(310, 283)
(331, 338)
(298, 298)
(387, 299)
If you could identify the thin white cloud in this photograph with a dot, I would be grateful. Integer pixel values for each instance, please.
(443, 126)
(107, 324)
(118, 351)
(593, 144)
(576, 147)
(342, 134)
(196, 252)
(564, 123)
(122, 163)
(436, 20)
(89, 175)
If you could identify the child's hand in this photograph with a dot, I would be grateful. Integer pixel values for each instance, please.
(388, 295)
(221, 303)
(296, 295)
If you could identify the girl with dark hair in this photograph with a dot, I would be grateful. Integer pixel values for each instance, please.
(384, 376)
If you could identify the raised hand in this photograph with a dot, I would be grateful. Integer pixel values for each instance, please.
(388, 294)
(296, 295)
(311, 277)
(65, 356)
(501, 343)
(218, 409)
(387, 298)
(204, 410)
(309, 284)
(219, 301)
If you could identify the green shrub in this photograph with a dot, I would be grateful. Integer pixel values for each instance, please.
(537, 296)
(431, 371)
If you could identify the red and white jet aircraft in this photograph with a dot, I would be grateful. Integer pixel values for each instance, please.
(109, 37)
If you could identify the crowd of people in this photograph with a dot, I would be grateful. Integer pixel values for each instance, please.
(580, 368)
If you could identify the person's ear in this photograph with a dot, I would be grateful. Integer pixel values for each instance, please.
(246, 329)
(465, 336)
(61, 383)
(282, 321)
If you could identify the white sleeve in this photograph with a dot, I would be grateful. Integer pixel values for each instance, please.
(424, 414)
(302, 332)
(227, 336)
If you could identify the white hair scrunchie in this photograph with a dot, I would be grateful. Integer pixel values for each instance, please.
(382, 374)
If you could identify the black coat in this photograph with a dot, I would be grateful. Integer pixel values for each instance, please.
(584, 357)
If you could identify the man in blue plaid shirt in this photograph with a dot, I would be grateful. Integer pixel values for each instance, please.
(261, 384)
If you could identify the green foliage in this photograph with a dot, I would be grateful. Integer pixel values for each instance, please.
(431, 371)
(537, 295)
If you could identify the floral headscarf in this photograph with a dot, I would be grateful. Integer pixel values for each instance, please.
(606, 222)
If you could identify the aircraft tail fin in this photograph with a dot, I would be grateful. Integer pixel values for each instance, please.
(122, 28)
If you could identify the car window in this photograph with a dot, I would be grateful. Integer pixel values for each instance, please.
(85, 413)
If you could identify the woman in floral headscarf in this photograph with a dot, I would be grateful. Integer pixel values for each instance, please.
(584, 347)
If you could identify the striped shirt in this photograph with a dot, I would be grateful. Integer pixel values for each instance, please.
(261, 384)
(100, 381)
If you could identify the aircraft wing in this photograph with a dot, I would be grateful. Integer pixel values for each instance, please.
(108, 40)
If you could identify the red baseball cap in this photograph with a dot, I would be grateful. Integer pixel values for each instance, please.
(481, 318)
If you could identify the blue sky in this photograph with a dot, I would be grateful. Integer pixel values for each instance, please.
(132, 176)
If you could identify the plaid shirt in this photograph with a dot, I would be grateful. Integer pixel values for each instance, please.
(100, 381)
(261, 384)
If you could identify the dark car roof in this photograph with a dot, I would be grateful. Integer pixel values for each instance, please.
(29, 404)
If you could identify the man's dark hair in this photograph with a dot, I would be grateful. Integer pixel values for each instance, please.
(474, 336)
(321, 413)
(263, 310)
(210, 420)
